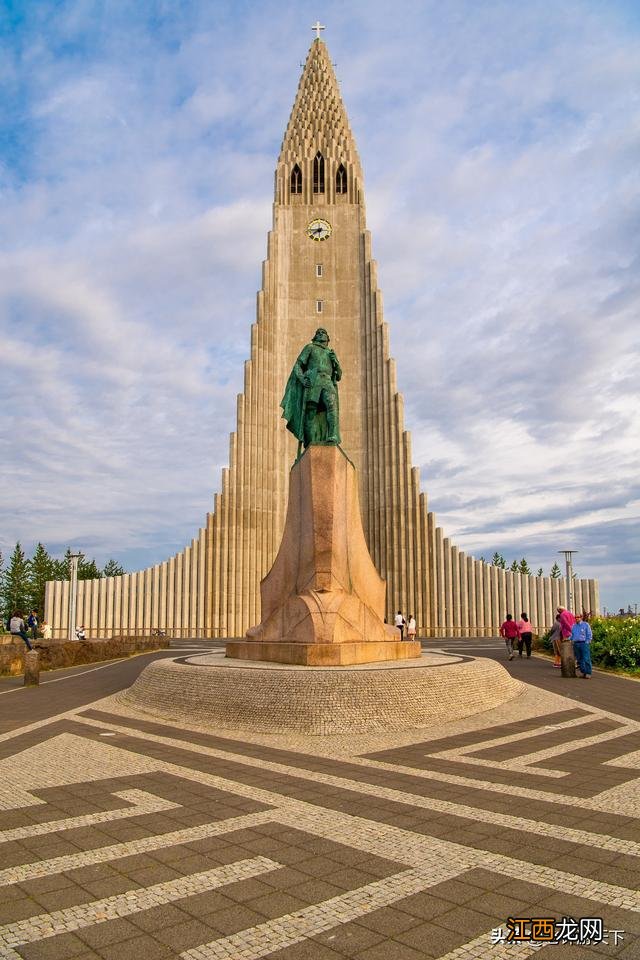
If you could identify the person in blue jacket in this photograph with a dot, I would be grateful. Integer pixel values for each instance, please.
(581, 637)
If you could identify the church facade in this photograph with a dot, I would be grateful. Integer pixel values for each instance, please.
(319, 272)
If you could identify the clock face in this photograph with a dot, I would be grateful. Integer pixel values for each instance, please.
(319, 229)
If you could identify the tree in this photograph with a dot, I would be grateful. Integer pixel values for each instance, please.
(540, 572)
(514, 567)
(87, 570)
(555, 572)
(524, 568)
(42, 569)
(498, 561)
(113, 569)
(16, 582)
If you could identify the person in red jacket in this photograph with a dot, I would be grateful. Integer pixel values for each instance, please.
(509, 630)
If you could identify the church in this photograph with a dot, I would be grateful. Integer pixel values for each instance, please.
(318, 272)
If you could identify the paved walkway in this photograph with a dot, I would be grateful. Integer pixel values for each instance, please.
(125, 837)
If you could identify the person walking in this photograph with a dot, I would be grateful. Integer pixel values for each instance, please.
(17, 628)
(399, 621)
(526, 634)
(411, 627)
(581, 637)
(509, 630)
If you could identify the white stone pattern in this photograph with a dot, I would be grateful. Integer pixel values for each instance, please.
(125, 904)
(88, 858)
(284, 931)
(561, 832)
(142, 802)
(428, 860)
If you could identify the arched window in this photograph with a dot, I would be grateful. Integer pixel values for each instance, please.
(318, 173)
(296, 179)
(341, 180)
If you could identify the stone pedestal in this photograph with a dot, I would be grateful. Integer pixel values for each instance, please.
(323, 600)
(567, 660)
(31, 668)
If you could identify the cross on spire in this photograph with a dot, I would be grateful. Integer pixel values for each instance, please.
(317, 27)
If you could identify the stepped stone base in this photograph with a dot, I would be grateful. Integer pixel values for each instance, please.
(213, 692)
(323, 654)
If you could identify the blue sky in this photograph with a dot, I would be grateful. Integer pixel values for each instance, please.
(500, 146)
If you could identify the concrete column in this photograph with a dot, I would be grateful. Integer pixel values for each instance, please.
(433, 576)
(455, 591)
(486, 581)
(73, 596)
(502, 595)
(480, 625)
(440, 577)
(125, 605)
(117, 605)
(448, 587)
(471, 594)
(495, 601)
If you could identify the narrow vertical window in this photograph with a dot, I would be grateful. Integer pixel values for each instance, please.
(318, 269)
(319, 306)
(296, 179)
(318, 173)
(341, 180)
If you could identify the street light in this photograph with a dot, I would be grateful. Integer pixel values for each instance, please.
(568, 554)
(74, 558)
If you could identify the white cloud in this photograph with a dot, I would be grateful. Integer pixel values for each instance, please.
(500, 150)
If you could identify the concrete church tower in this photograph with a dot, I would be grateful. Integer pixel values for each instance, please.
(318, 272)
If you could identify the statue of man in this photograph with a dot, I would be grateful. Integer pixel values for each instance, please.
(310, 402)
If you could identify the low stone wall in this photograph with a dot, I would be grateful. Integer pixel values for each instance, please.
(271, 698)
(55, 655)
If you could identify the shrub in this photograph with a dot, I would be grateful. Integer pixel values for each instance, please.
(616, 643)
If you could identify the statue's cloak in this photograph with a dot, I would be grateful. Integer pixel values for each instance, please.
(293, 406)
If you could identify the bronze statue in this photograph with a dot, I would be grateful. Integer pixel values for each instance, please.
(310, 403)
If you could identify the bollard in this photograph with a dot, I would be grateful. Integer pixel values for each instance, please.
(567, 661)
(31, 668)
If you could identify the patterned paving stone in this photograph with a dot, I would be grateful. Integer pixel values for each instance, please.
(164, 842)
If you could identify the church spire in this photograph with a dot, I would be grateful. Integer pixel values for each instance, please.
(318, 130)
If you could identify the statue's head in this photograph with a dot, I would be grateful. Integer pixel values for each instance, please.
(321, 336)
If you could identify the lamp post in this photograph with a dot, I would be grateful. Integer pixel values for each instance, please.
(74, 558)
(568, 663)
(568, 554)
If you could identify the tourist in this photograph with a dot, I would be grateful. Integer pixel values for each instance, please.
(566, 620)
(47, 632)
(526, 634)
(17, 628)
(509, 630)
(32, 623)
(80, 634)
(400, 622)
(581, 637)
(411, 627)
(555, 636)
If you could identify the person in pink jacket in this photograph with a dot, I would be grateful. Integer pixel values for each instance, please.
(566, 620)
